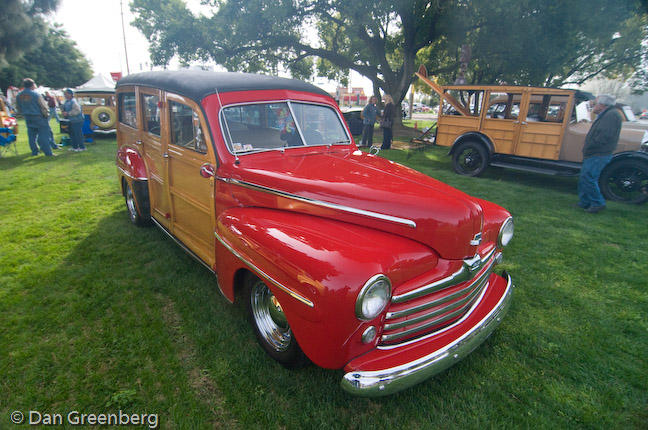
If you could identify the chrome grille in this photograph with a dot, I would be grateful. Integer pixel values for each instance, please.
(434, 306)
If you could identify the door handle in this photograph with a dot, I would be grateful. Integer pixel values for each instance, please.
(138, 142)
(165, 155)
(207, 171)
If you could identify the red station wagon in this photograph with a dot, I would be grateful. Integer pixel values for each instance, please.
(343, 258)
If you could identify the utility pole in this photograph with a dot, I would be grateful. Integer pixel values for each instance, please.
(121, 9)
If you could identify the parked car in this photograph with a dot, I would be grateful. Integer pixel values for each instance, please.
(354, 120)
(99, 107)
(341, 257)
(535, 129)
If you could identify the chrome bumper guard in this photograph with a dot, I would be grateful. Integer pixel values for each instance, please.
(388, 381)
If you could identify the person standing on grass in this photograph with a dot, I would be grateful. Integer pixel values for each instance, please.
(34, 108)
(72, 111)
(600, 143)
(387, 122)
(51, 104)
(369, 115)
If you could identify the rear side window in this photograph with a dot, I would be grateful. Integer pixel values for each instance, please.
(127, 109)
(151, 110)
(547, 108)
(185, 128)
(504, 105)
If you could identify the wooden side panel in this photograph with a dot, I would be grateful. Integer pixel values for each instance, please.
(192, 200)
(450, 127)
(502, 133)
(191, 195)
(540, 140)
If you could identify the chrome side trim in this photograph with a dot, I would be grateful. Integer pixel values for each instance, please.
(388, 381)
(370, 214)
(470, 267)
(125, 173)
(261, 273)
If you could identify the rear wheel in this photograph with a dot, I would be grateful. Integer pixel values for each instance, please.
(132, 205)
(625, 181)
(270, 324)
(470, 158)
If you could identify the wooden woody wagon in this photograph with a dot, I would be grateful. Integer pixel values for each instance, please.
(535, 129)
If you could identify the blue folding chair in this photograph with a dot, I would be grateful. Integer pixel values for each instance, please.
(7, 140)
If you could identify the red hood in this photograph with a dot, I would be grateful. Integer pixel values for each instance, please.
(362, 189)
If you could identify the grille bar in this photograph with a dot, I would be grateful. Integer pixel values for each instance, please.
(450, 306)
(437, 302)
(469, 269)
(437, 321)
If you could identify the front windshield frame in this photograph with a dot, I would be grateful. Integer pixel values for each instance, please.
(226, 132)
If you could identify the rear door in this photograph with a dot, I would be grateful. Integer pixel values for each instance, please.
(542, 129)
(501, 121)
(191, 163)
(155, 155)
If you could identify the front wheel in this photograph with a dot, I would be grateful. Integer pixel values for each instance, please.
(470, 158)
(625, 181)
(270, 324)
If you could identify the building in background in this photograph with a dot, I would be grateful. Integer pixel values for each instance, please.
(348, 97)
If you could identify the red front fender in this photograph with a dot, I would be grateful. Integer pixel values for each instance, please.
(316, 268)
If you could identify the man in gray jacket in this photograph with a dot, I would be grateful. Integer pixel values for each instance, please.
(600, 143)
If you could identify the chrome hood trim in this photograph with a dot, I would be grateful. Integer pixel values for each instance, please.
(348, 209)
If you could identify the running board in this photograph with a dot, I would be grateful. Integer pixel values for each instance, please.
(541, 170)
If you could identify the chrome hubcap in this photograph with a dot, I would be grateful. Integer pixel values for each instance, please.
(269, 317)
(130, 203)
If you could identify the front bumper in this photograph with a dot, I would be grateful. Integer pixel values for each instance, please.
(374, 383)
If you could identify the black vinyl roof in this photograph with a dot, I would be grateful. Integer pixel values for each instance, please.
(197, 84)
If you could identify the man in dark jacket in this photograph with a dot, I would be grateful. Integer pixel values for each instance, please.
(600, 143)
(34, 108)
(368, 115)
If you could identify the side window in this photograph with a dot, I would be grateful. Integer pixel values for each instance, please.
(504, 105)
(547, 108)
(151, 111)
(185, 128)
(128, 109)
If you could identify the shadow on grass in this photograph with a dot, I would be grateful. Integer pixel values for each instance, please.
(131, 279)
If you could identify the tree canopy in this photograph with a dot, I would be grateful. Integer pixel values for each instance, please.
(22, 26)
(56, 63)
(549, 43)
(525, 41)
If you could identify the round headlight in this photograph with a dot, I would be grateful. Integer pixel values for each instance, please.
(373, 298)
(505, 233)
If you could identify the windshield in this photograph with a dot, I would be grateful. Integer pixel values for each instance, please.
(267, 126)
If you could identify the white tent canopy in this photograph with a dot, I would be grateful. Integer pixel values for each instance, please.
(98, 83)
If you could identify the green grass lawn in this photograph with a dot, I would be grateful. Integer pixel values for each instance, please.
(97, 315)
